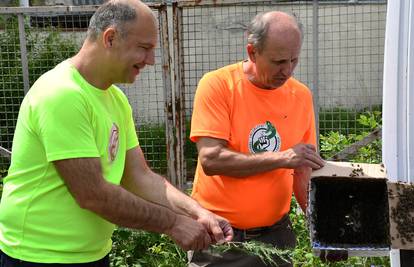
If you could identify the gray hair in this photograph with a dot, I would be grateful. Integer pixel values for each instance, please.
(111, 13)
(258, 28)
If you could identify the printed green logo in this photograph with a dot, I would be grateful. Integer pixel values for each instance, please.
(264, 137)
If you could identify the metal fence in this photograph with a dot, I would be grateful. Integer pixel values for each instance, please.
(341, 61)
(35, 39)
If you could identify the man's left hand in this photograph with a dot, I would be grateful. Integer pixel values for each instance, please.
(218, 227)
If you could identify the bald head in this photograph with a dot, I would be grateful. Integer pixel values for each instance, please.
(274, 24)
(117, 13)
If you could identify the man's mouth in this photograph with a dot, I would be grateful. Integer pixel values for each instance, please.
(137, 67)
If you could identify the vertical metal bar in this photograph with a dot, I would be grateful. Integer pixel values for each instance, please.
(315, 49)
(169, 113)
(23, 48)
(179, 97)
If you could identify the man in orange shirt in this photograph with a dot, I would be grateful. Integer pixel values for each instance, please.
(255, 132)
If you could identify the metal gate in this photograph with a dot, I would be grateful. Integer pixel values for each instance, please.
(341, 61)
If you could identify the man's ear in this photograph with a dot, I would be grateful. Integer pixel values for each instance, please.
(108, 37)
(251, 52)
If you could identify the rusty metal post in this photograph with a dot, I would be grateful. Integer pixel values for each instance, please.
(179, 96)
(171, 139)
(23, 48)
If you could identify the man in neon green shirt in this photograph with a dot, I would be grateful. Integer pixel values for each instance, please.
(77, 169)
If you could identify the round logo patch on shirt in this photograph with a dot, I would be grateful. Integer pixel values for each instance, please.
(113, 142)
(264, 137)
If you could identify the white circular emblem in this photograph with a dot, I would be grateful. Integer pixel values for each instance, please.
(264, 137)
(113, 142)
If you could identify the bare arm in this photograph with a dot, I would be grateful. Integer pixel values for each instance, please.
(216, 158)
(84, 180)
(141, 181)
(301, 178)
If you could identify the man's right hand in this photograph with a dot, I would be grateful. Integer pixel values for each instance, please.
(189, 234)
(302, 155)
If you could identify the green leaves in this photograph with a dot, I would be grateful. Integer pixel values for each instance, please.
(265, 252)
(334, 141)
(140, 248)
(371, 120)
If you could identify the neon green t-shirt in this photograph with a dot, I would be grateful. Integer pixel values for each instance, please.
(62, 117)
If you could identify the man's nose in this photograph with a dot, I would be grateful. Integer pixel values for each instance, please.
(287, 68)
(150, 57)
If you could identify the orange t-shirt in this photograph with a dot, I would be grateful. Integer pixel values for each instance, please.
(229, 107)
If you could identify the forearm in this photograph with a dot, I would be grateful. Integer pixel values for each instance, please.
(217, 158)
(301, 180)
(92, 192)
(231, 163)
(123, 208)
(165, 195)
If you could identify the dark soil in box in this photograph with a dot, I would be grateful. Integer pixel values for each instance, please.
(350, 212)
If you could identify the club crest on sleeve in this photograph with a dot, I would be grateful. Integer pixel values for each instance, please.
(113, 142)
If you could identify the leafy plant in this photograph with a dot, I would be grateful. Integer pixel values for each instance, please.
(265, 252)
(334, 141)
(140, 248)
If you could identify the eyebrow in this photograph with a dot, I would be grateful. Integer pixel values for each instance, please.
(147, 45)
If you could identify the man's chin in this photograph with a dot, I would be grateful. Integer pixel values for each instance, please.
(130, 80)
(279, 83)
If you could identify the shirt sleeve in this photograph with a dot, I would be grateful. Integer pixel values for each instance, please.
(211, 109)
(64, 126)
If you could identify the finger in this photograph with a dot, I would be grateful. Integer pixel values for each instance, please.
(311, 147)
(228, 233)
(310, 163)
(217, 232)
(206, 242)
(197, 243)
(316, 159)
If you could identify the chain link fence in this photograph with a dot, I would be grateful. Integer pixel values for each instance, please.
(341, 61)
(34, 40)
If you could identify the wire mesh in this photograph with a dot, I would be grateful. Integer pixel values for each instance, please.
(11, 80)
(349, 47)
(54, 36)
(214, 36)
(350, 40)
(351, 53)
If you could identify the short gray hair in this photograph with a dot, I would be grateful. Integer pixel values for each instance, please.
(258, 28)
(111, 13)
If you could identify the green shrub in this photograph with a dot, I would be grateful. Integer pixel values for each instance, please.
(140, 248)
(344, 121)
(334, 141)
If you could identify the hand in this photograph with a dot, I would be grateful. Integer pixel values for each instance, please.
(302, 155)
(218, 227)
(189, 234)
